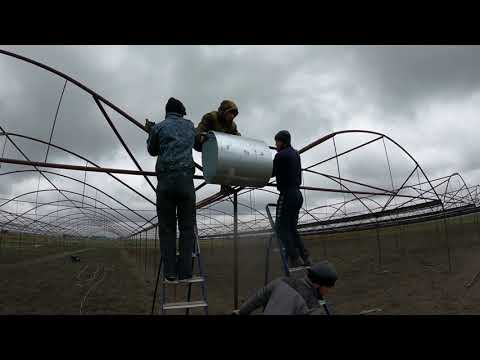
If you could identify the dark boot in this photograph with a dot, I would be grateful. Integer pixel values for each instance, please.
(307, 261)
(170, 278)
(225, 189)
(294, 263)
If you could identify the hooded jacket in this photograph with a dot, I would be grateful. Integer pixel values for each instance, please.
(215, 121)
(284, 296)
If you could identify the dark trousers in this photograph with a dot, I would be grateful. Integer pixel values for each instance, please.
(288, 208)
(176, 199)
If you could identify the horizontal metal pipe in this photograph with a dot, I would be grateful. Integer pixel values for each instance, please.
(83, 168)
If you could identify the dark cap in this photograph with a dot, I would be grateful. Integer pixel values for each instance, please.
(175, 106)
(323, 274)
(283, 136)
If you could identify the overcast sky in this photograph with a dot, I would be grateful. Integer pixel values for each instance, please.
(426, 98)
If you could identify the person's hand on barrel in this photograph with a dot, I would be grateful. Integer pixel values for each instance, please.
(149, 125)
(203, 137)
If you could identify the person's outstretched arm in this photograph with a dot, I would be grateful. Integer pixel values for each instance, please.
(235, 130)
(203, 127)
(275, 165)
(153, 141)
(260, 298)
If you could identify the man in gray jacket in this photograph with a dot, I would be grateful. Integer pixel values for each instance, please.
(171, 140)
(290, 296)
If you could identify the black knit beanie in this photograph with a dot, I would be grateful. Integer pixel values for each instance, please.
(175, 106)
(284, 136)
(323, 274)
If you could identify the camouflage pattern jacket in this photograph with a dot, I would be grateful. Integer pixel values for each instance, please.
(213, 121)
(172, 141)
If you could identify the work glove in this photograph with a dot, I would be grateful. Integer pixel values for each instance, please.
(225, 189)
(203, 137)
(149, 125)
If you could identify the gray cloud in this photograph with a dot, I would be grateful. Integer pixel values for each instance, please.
(423, 97)
(403, 77)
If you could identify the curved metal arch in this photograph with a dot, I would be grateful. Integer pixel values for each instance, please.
(19, 225)
(340, 204)
(80, 157)
(331, 135)
(464, 184)
(97, 230)
(48, 190)
(90, 208)
(355, 195)
(36, 168)
(212, 218)
(225, 213)
(86, 224)
(81, 182)
(81, 220)
(84, 183)
(95, 95)
(93, 233)
(13, 215)
(81, 86)
(86, 216)
(75, 82)
(219, 197)
(46, 204)
(67, 224)
(229, 215)
(415, 187)
(477, 198)
(446, 179)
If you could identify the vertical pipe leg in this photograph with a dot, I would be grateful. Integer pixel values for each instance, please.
(235, 251)
(397, 238)
(379, 248)
(448, 244)
(146, 254)
(156, 288)
(267, 259)
(324, 243)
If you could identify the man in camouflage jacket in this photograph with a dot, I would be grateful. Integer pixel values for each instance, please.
(220, 120)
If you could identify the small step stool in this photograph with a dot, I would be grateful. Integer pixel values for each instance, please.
(196, 279)
(281, 249)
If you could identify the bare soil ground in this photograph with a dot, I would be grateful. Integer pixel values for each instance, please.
(104, 282)
(405, 270)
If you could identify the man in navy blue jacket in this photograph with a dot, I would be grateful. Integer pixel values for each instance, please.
(287, 169)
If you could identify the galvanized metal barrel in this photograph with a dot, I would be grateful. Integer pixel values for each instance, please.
(236, 160)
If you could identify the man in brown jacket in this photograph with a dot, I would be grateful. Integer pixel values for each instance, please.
(220, 120)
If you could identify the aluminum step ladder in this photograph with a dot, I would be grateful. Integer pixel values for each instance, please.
(195, 280)
(283, 256)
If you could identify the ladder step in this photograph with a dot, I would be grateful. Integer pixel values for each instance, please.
(195, 279)
(300, 268)
(184, 305)
(193, 255)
